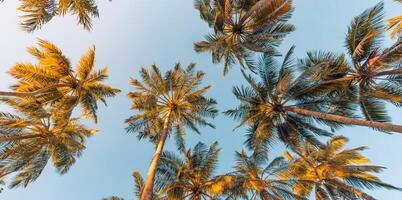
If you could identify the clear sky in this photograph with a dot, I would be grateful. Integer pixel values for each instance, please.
(135, 33)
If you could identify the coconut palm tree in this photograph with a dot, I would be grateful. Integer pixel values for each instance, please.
(284, 106)
(253, 180)
(395, 23)
(332, 172)
(374, 75)
(53, 80)
(39, 12)
(192, 176)
(242, 28)
(165, 104)
(35, 135)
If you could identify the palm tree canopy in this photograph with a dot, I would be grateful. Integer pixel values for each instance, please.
(64, 85)
(176, 96)
(374, 74)
(332, 172)
(255, 178)
(242, 28)
(192, 176)
(263, 104)
(47, 137)
(39, 12)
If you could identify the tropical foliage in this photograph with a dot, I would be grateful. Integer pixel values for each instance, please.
(40, 126)
(395, 24)
(168, 104)
(373, 74)
(255, 178)
(332, 172)
(39, 12)
(242, 28)
(298, 102)
(52, 80)
(190, 177)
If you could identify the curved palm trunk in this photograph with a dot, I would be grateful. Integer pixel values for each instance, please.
(346, 120)
(30, 94)
(351, 190)
(17, 138)
(198, 197)
(149, 183)
(390, 72)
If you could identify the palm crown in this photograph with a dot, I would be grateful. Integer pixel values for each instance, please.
(262, 105)
(39, 12)
(242, 28)
(190, 177)
(252, 179)
(332, 172)
(374, 75)
(52, 80)
(174, 99)
(35, 135)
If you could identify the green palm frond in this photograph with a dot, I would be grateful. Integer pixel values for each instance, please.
(252, 179)
(242, 28)
(52, 80)
(35, 136)
(364, 33)
(333, 171)
(260, 104)
(191, 175)
(177, 93)
(39, 12)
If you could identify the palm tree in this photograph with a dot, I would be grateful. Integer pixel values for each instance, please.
(282, 106)
(251, 180)
(192, 176)
(242, 28)
(35, 135)
(39, 12)
(374, 75)
(167, 103)
(52, 80)
(332, 172)
(395, 23)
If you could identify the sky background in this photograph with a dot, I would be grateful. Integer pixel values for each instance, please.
(135, 33)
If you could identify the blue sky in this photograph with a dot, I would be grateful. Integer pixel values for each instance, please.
(135, 33)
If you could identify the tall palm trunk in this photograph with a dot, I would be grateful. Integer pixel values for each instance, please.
(30, 94)
(346, 120)
(149, 183)
(17, 138)
(351, 190)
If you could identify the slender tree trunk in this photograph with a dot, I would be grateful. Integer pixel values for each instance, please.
(149, 183)
(17, 138)
(390, 72)
(346, 120)
(30, 94)
(351, 189)
(198, 197)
